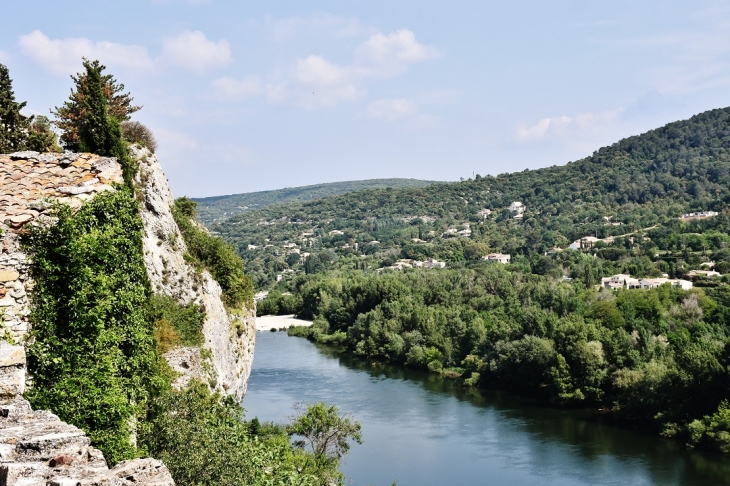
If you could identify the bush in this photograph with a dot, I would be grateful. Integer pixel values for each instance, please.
(203, 439)
(186, 321)
(135, 132)
(215, 255)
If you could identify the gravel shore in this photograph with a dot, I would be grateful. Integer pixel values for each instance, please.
(266, 323)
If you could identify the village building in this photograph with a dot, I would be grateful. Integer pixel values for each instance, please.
(619, 281)
(699, 215)
(584, 243)
(484, 213)
(703, 274)
(336, 232)
(251, 247)
(498, 257)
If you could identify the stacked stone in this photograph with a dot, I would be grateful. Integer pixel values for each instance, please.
(36, 448)
(29, 184)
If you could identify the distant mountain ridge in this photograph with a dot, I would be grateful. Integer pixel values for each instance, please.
(216, 208)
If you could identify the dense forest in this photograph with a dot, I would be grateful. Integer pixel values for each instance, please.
(541, 325)
(218, 208)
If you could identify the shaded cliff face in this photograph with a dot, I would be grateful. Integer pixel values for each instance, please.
(29, 181)
(225, 359)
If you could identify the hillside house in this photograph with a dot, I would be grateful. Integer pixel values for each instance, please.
(336, 232)
(620, 281)
(484, 213)
(584, 243)
(652, 283)
(699, 215)
(251, 247)
(517, 207)
(502, 258)
(465, 233)
(703, 274)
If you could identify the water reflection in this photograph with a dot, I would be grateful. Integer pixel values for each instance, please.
(422, 429)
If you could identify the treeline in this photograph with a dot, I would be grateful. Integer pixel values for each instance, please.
(658, 358)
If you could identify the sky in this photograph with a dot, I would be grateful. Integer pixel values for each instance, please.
(252, 96)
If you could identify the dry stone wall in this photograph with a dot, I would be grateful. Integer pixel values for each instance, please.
(38, 449)
(29, 182)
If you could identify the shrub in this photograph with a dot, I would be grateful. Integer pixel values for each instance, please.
(213, 254)
(135, 132)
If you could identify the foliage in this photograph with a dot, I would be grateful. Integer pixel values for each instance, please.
(135, 132)
(17, 131)
(92, 353)
(186, 321)
(624, 189)
(72, 116)
(214, 254)
(324, 430)
(655, 357)
(219, 208)
(90, 119)
(203, 439)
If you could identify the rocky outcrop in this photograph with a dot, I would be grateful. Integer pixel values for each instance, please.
(38, 449)
(226, 357)
(30, 182)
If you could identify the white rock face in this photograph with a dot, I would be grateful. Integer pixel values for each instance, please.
(227, 356)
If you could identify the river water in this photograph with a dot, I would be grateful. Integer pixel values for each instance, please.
(420, 429)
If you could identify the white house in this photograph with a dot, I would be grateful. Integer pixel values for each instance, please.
(699, 215)
(620, 280)
(485, 213)
(517, 207)
(704, 273)
(585, 242)
(336, 232)
(465, 233)
(498, 257)
(652, 283)
(251, 247)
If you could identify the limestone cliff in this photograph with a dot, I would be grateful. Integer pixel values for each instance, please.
(29, 181)
(229, 337)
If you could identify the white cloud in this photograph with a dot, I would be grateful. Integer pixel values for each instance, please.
(391, 110)
(330, 24)
(389, 55)
(188, 50)
(192, 50)
(63, 56)
(566, 127)
(234, 89)
(314, 81)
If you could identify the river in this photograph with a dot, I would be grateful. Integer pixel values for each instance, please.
(420, 429)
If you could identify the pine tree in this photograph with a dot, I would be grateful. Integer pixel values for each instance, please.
(14, 126)
(72, 115)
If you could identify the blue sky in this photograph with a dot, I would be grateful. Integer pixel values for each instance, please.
(249, 96)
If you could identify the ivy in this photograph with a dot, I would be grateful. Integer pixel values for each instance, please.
(92, 353)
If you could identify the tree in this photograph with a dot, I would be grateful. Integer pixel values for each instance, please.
(324, 430)
(13, 125)
(135, 132)
(73, 116)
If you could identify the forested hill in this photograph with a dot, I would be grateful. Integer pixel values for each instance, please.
(216, 208)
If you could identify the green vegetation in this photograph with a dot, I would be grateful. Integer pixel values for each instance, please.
(658, 358)
(634, 184)
(204, 440)
(92, 354)
(218, 208)
(17, 131)
(539, 326)
(213, 254)
(95, 351)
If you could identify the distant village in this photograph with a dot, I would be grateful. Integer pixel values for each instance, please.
(517, 211)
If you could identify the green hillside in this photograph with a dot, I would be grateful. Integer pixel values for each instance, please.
(212, 209)
(636, 183)
(542, 324)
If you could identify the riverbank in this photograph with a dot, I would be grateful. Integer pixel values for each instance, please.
(267, 323)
